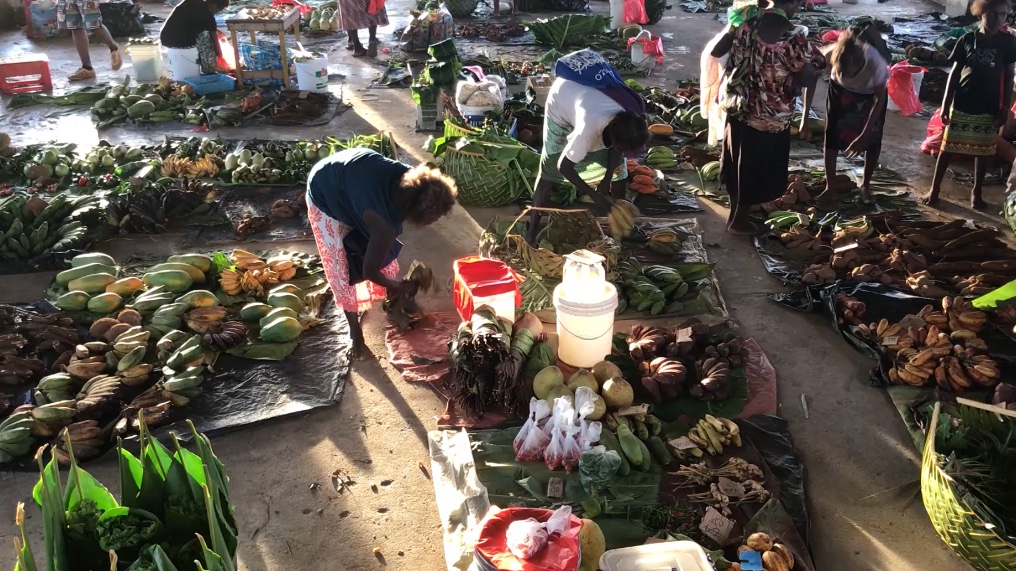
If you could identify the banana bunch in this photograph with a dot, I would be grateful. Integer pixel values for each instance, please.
(1005, 312)
(205, 319)
(183, 386)
(187, 353)
(662, 158)
(715, 382)
(169, 316)
(84, 369)
(669, 280)
(170, 342)
(228, 335)
(284, 267)
(644, 295)
(98, 393)
(149, 407)
(962, 315)
(731, 351)
(176, 166)
(244, 260)
(710, 171)
(82, 439)
(665, 241)
(621, 219)
(713, 434)
(16, 436)
(129, 350)
(32, 226)
(229, 281)
(55, 388)
(137, 213)
(249, 283)
(267, 276)
(51, 418)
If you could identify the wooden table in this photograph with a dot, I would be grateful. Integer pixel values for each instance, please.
(241, 23)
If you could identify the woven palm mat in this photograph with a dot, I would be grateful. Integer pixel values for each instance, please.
(240, 202)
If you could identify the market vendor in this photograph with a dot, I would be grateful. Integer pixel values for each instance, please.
(357, 203)
(192, 24)
(592, 120)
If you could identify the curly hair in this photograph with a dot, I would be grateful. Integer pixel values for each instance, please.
(628, 131)
(979, 7)
(425, 194)
(217, 6)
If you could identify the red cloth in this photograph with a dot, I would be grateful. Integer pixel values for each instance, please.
(561, 553)
(375, 6)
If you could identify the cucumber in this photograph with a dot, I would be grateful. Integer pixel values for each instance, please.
(659, 450)
(647, 457)
(609, 440)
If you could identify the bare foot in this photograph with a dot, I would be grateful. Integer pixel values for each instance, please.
(866, 196)
(826, 199)
(930, 199)
(979, 204)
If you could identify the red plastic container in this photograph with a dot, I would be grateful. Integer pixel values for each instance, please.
(482, 279)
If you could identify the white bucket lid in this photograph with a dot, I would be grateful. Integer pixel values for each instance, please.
(597, 306)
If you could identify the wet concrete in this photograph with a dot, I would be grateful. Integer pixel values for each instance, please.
(861, 467)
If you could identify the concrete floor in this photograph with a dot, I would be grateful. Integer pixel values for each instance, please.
(862, 469)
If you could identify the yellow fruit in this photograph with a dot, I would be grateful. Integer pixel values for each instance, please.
(592, 545)
(661, 129)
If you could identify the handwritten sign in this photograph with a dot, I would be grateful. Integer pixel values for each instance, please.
(633, 410)
(730, 488)
(716, 526)
(683, 443)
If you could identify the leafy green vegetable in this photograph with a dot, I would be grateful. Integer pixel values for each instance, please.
(153, 558)
(568, 30)
(127, 530)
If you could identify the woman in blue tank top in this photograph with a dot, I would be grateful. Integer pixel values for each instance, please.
(357, 202)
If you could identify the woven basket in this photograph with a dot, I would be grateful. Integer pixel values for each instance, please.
(961, 529)
(578, 227)
(461, 8)
(486, 170)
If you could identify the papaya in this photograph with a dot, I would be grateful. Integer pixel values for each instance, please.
(125, 287)
(176, 281)
(65, 277)
(661, 129)
(198, 298)
(93, 283)
(92, 258)
(285, 288)
(275, 314)
(199, 261)
(196, 274)
(148, 303)
(254, 311)
(72, 301)
(592, 545)
(281, 330)
(105, 303)
(283, 299)
(141, 109)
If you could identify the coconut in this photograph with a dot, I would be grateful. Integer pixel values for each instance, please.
(604, 371)
(556, 393)
(617, 393)
(547, 379)
(599, 408)
(583, 378)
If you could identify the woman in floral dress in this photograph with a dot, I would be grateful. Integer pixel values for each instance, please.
(770, 61)
(357, 202)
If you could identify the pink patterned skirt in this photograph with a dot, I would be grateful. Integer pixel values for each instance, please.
(329, 233)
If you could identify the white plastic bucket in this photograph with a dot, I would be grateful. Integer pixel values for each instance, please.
(312, 75)
(616, 14)
(183, 63)
(503, 304)
(146, 59)
(585, 330)
(917, 78)
(683, 555)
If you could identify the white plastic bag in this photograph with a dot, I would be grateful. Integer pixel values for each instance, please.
(572, 449)
(526, 538)
(538, 410)
(564, 418)
(584, 401)
(535, 442)
(589, 434)
(711, 77)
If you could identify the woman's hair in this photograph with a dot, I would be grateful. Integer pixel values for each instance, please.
(425, 195)
(849, 49)
(979, 7)
(628, 131)
(217, 5)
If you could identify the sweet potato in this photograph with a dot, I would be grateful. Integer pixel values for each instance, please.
(643, 180)
(971, 237)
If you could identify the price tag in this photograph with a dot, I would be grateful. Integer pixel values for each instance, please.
(890, 340)
(730, 488)
(912, 321)
(555, 488)
(845, 247)
(715, 526)
(683, 443)
(633, 410)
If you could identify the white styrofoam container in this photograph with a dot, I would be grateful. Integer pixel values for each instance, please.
(663, 556)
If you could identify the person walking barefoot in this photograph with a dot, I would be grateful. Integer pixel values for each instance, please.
(977, 97)
(79, 17)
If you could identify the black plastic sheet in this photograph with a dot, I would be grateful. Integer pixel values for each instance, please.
(774, 258)
(675, 202)
(48, 262)
(239, 202)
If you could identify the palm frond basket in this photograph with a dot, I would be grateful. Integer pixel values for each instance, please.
(964, 531)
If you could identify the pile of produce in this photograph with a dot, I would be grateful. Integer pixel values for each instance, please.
(35, 226)
(931, 259)
(658, 288)
(174, 512)
(322, 18)
(266, 12)
(642, 179)
(149, 345)
(775, 556)
(934, 347)
(660, 157)
(568, 30)
(496, 33)
(148, 103)
(686, 361)
(749, 476)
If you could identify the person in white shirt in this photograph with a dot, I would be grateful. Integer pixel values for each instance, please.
(586, 134)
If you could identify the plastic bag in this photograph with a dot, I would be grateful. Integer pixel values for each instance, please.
(532, 441)
(901, 87)
(635, 12)
(933, 141)
(572, 448)
(526, 538)
(564, 418)
(585, 402)
(711, 76)
(597, 468)
(589, 434)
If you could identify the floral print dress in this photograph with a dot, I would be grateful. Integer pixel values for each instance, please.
(761, 89)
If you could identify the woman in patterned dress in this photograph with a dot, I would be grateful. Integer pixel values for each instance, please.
(355, 15)
(357, 202)
(770, 61)
(977, 96)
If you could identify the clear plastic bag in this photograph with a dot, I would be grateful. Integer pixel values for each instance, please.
(538, 410)
(584, 402)
(572, 449)
(597, 468)
(589, 434)
(563, 419)
(526, 538)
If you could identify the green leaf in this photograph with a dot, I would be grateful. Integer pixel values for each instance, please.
(48, 493)
(265, 351)
(221, 261)
(152, 557)
(568, 30)
(156, 460)
(83, 486)
(131, 473)
(25, 559)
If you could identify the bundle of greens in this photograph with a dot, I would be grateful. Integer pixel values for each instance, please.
(481, 346)
(401, 308)
(170, 502)
(526, 332)
(568, 30)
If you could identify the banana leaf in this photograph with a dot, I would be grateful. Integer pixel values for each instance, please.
(152, 558)
(220, 481)
(83, 96)
(48, 494)
(185, 512)
(85, 500)
(568, 30)
(25, 559)
(155, 461)
(127, 531)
